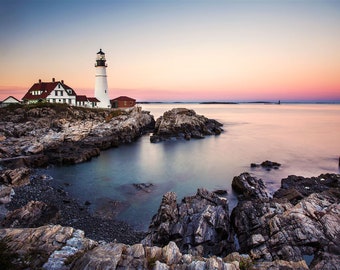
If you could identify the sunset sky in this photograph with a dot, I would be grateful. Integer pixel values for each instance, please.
(175, 50)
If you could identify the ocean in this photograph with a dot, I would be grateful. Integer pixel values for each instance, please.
(304, 138)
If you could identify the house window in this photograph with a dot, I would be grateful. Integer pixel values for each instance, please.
(70, 101)
(56, 93)
(54, 100)
(61, 93)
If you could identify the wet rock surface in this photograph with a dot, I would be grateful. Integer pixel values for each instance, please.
(268, 165)
(61, 134)
(181, 123)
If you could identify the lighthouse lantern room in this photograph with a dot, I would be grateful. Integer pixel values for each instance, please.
(101, 88)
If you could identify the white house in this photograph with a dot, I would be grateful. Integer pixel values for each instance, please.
(57, 92)
(53, 92)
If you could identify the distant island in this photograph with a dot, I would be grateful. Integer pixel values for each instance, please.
(218, 102)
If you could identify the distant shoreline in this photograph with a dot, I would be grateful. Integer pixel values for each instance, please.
(240, 102)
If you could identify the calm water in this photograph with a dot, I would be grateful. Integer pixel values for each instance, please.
(305, 139)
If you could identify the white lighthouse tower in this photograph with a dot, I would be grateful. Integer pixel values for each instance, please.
(101, 89)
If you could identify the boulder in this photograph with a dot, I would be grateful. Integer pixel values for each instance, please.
(250, 187)
(181, 123)
(268, 165)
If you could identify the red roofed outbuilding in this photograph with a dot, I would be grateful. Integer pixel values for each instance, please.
(122, 102)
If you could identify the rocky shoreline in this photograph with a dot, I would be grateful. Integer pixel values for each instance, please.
(42, 227)
(43, 134)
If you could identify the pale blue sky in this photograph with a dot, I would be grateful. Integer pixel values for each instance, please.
(225, 50)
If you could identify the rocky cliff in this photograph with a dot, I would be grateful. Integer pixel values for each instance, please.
(60, 134)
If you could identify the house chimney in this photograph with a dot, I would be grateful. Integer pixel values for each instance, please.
(62, 81)
(39, 81)
(53, 79)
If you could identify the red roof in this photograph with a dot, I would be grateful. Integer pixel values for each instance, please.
(81, 98)
(123, 98)
(46, 88)
(93, 99)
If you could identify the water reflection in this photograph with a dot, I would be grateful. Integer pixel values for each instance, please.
(303, 138)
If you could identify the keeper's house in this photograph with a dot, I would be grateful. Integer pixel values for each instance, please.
(57, 92)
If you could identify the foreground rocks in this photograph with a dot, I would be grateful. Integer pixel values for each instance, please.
(295, 228)
(181, 123)
(56, 247)
(199, 224)
(61, 134)
(295, 224)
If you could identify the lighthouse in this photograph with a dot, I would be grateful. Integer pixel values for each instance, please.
(101, 89)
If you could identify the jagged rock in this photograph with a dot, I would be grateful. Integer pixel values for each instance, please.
(33, 214)
(182, 123)
(171, 254)
(250, 187)
(16, 177)
(275, 229)
(198, 225)
(268, 165)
